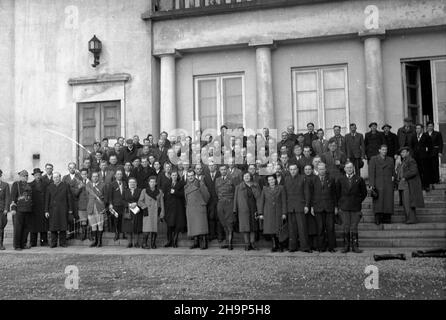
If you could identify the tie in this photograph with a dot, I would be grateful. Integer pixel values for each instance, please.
(322, 181)
(120, 187)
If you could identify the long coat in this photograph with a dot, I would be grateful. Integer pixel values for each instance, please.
(5, 201)
(38, 221)
(381, 172)
(410, 173)
(245, 216)
(272, 205)
(134, 224)
(150, 222)
(197, 196)
(175, 213)
(58, 202)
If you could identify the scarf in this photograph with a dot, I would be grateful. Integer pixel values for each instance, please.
(153, 194)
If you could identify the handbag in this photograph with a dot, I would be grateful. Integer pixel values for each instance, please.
(145, 212)
(127, 215)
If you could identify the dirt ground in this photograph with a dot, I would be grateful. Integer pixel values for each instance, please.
(236, 276)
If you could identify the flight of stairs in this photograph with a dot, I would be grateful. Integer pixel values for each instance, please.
(430, 232)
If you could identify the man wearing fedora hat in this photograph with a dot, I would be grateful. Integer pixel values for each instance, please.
(5, 198)
(21, 206)
(39, 224)
(409, 183)
(372, 141)
(390, 140)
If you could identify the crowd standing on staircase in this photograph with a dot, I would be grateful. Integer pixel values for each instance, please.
(291, 191)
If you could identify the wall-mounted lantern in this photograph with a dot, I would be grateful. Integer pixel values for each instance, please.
(95, 47)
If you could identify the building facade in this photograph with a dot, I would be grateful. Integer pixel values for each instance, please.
(183, 65)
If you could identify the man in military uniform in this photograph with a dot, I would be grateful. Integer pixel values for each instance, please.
(5, 198)
(225, 188)
(21, 205)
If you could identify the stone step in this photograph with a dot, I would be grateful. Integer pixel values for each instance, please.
(401, 234)
(419, 211)
(401, 243)
(428, 204)
(423, 218)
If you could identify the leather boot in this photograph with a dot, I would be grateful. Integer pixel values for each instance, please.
(175, 240)
(100, 239)
(377, 219)
(355, 243)
(145, 237)
(195, 244)
(137, 243)
(153, 240)
(274, 244)
(95, 236)
(84, 233)
(346, 237)
(203, 243)
(130, 244)
(230, 236)
(116, 236)
(2, 234)
(169, 238)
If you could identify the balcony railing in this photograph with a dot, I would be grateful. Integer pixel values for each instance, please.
(172, 9)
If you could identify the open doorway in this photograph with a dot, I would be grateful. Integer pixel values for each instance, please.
(424, 92)
(418, 91)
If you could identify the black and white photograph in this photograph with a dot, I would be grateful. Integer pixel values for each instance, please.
(222, 155)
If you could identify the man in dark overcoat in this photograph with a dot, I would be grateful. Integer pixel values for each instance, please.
(372, 141)
(390, 140)
(5, 201)
(324, 208)
(58, 206)
(354, 146)
(381, 176)
(422, 154)
(351, 192)
(39, 224)
(216, 230)
(298, 199)
(410, 183)
(406, 134)
(437, 151)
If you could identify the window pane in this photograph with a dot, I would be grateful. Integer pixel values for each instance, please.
(207, 103)
(306, 101)
(334, 99)
(306, 81)
(334, 79)
(334, 117)
(304, 117)
(232, 102)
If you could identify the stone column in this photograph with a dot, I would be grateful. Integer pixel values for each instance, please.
(264, 82)
(167, 92)
(374, 76)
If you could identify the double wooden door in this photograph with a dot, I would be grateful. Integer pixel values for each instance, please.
(97, 120)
